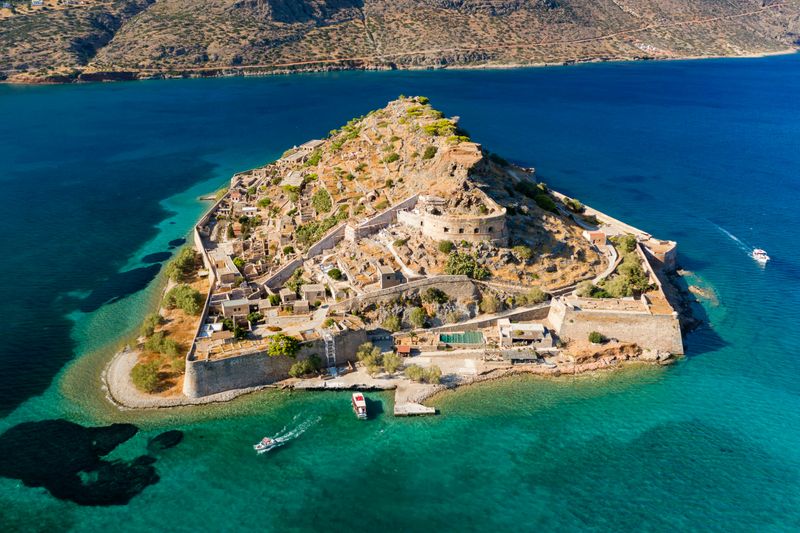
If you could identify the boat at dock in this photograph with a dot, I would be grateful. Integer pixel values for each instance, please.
(760, 255)
(359, 406)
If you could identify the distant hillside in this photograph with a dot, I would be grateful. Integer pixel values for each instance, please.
(120, 39)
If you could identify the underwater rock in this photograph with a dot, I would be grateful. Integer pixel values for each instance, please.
(164, 441)
(66, 459)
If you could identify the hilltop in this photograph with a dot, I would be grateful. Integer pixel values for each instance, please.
(129, 39)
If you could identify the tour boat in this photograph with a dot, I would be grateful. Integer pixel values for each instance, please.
(265, 445)
(359, 406)
(760, 256)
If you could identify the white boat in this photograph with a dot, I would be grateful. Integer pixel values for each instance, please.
(359, 406)
(265, 445)
(760, 255)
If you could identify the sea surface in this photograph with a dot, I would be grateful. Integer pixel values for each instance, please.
(99, 183)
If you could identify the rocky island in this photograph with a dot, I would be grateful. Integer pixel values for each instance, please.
(398, 254)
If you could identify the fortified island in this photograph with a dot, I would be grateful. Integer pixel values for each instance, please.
(398, 254)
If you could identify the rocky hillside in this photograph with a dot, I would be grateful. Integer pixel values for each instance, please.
(118, 39)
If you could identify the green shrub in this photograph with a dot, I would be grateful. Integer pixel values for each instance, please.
(322, 201)
(274, 299)
(440, 128)
(239, 262)
(399, 242)
(534, 296)
(392, 362)
(523, 252)
(314, 159)
(145, 376)
(288, 250)
(335, 274)
(433, 375)
(367, 350)
(545, 202)
(183, 266)
(417, 316)
(254, 317)
(465, 264)
(595, 337)
(434, 295)
(264, 202)
(185, 298)
(328, 322)
(574, 205)
(283, 345)
(306, 366)
(415, 373)
(392, 323)
(383, 204)
(150, 323)
(391, 158)
(446, 247)
(423, 100)
(490, 304)
(430, 152)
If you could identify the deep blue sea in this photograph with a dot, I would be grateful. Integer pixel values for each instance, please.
(99, 182)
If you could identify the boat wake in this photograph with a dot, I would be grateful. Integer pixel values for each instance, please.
(743, 245)
(286, 435)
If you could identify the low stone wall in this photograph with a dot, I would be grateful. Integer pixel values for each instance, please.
(327, 242)
(279, 278)
(539, 312)
(653, 332)
(457, 287)
(206, 377)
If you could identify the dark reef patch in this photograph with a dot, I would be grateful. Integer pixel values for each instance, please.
(177, 242)
(164, 441)
(157, 257)
(66, 459)
(119, 286)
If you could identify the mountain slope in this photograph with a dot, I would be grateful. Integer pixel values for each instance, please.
(206, 37)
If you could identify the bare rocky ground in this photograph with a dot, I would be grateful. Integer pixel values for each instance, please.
(128, 39)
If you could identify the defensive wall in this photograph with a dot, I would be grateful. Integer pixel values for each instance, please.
(457, 287)
(210, 376)
(382, 220)
(659, 332)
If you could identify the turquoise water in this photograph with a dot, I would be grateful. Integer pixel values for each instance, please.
(96, 178)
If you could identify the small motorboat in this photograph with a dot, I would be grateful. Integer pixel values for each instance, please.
(760, 255)
(265, 445)
(359, 406)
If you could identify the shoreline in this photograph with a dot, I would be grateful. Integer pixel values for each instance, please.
(343, 66)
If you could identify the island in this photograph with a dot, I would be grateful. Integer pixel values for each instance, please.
(398, 254)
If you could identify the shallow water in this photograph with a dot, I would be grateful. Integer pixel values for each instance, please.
(98, 179)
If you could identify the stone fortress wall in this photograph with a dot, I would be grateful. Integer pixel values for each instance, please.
(205, 377)
(490, 227)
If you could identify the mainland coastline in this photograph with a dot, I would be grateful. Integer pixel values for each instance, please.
(311, 284)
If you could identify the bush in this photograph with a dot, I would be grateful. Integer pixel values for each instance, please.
(453, 317)
(274, 299)
(392, 362)
(288, 250)
(335, 274)
(283, 345)
(545, 202)
(392, 323)
(322, 201)
(383, 204)
(391, 158)
(429, 152)
(399, 242)
(314, 159)
(434, 295)
(254, 317)
(465, 264)
(426, 375)
(185, 298)
(446, 247)
(264, 202)
(595, 337)
(523, 252)
(306, 366)
(328, 322)
(367, 350)
(239, 262)
(183, 267)
(534, 296)
(490, 304)
(417, 316)
(423, 100)
(626, 243)
(574, 205)
(145, 376)
(150, 323)
(440, 128)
